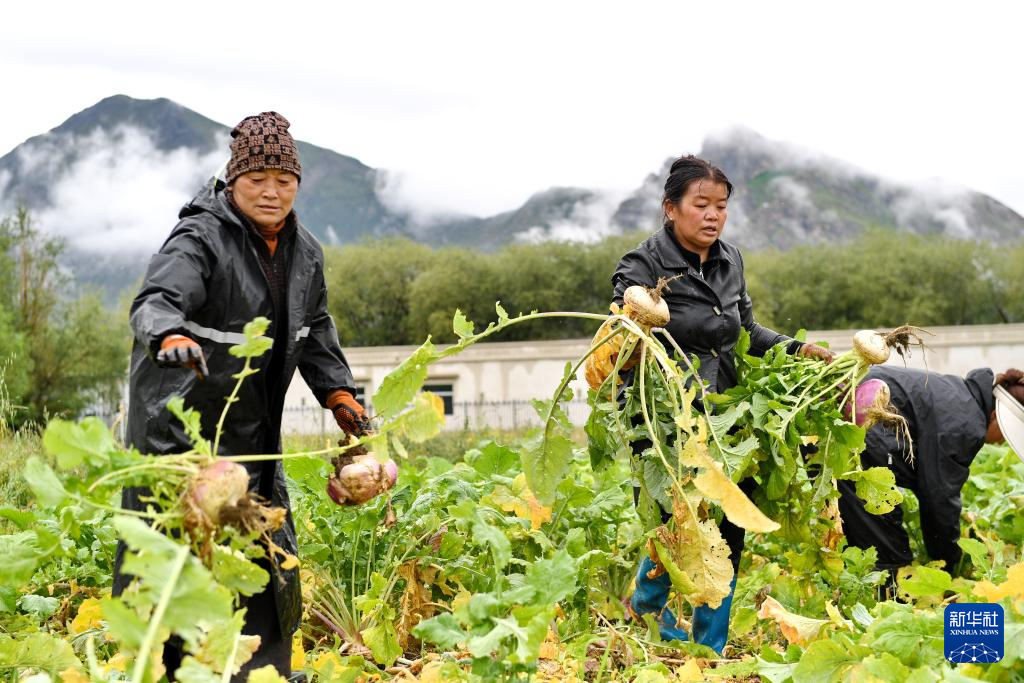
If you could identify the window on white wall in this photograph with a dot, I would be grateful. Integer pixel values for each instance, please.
(446, 394)
(361, 396)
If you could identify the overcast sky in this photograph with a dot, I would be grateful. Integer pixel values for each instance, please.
(478, 106)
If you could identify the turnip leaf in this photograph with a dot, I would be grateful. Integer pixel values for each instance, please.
(402, 383)
(876, 486)
(88, 441)
(48, 489)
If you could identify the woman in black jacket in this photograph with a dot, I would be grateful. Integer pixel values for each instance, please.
(949, 419)
(238, 252)
(708, 305)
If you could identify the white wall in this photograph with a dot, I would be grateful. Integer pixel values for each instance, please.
(499, 375)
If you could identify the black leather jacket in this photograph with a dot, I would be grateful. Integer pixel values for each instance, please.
(708, 305)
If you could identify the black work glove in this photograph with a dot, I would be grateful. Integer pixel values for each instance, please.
(177, 350)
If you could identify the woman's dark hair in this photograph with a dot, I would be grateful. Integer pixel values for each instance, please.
(684, 171)
(1013, 381)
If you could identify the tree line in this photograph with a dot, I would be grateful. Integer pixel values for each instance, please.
(63, 355)
(396, 291)
(59, 355)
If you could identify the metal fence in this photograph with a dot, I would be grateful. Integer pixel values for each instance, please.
(312, 420)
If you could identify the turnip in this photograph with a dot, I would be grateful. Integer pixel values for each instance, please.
(870, 347)
(869, 394)
(645, 306)
(219, 496)
(871, 404)
(359, 479)
(224, 484)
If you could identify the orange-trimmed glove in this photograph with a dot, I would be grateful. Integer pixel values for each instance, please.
(348, 413)
(177, 350)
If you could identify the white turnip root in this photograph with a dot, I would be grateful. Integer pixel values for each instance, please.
(359, 479)
(219, 496)
(870, 347)
(645, 306)
(220, 486)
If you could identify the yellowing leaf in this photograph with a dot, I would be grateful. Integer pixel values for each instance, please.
(461, 601)
(797, 629)
(1012, 587)
(290, 562)
(439, 672)
(328, 664)
(415, 605)
(715, 485)
(836, 616)
(73, 675)
(548, 650)
(89, 616)
(689, 672)
(116, 663)
(298, 653)
(520, 501)
(697, 548)
(266, 674)
(834, 533)
(681, 582)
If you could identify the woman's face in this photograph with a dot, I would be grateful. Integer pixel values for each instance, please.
(266, 196)
(699, 217)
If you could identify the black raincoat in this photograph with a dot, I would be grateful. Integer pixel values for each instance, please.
(948, 417)
(206, 282)
(707, 306)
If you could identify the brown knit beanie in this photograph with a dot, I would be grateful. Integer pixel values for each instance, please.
(260, 142)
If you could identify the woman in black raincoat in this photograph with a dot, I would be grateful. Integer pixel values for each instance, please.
(949, 419)
(239, 252)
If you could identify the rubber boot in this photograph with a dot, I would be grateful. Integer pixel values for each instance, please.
(711, 626)
(650, 597)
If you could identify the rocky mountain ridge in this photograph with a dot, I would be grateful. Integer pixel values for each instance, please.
(111, 177)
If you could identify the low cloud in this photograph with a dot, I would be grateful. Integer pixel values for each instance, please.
(936, 201)
(120, 192)
(402, 194)
(589, 221)
(793, 191)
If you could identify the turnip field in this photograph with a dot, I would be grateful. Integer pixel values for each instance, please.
(511, 559)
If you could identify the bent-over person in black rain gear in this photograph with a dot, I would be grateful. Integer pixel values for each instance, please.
(949, 419)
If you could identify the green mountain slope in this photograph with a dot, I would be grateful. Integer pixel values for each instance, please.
(79, 177)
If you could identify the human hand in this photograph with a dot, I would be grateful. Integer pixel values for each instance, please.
(815, 352)
(348, 413)
(177, 350)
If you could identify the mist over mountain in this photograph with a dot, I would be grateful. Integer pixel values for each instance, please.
(785, 196)
(111, 179)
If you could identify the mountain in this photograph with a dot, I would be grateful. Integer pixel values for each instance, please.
(111, 179)
(339, 199)
(785, 196)
(556, 213)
